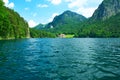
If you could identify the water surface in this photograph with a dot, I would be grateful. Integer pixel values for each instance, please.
(60, 59)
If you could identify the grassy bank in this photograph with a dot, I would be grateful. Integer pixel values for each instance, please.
(69, 36)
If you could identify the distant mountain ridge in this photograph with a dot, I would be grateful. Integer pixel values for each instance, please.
(39, 26)
(66, 18)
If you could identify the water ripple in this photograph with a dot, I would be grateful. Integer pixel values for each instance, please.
(60, 59)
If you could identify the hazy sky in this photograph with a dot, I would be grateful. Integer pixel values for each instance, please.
(43, 11)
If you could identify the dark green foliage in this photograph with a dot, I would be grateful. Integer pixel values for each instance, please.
(107, 28)
(41, 34)
(11, 24)
(1, 3)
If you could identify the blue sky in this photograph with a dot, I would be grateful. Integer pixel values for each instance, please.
(43, 11)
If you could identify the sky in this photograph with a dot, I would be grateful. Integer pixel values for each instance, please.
(43, 11)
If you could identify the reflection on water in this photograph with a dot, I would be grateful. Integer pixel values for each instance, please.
(60, 59)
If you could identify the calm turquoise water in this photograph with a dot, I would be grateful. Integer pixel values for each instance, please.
(60, 59)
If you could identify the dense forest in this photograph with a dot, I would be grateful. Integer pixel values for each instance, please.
(11, 24)
(41, 34)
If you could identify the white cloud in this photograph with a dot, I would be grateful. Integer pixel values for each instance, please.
(76, 3)
(28, 0)
(87, 12)
(26, 8)
(83, 7)
(52, 17)
(8, 4)
(6, 1)
(55, 2)
(32, 23)
(42, 5)
(11, 5)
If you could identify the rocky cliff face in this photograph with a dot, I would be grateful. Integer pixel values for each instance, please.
(106, 9)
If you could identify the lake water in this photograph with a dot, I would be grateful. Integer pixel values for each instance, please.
(60, 59)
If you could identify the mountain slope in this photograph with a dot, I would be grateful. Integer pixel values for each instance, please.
(65, 23)
(107, 28)
(39, 26)
(66, 17)
(106, 9)
(105, 21)
(11, 24)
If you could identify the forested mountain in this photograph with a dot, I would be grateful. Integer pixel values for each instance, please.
(12, 25)
(104, 22)
(107, 28)
(66, 18)
(65, 23)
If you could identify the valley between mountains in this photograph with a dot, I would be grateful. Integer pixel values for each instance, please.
(105, 22)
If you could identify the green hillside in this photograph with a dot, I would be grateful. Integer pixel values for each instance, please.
(12, 25)
(65, 23)
(107, 28)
